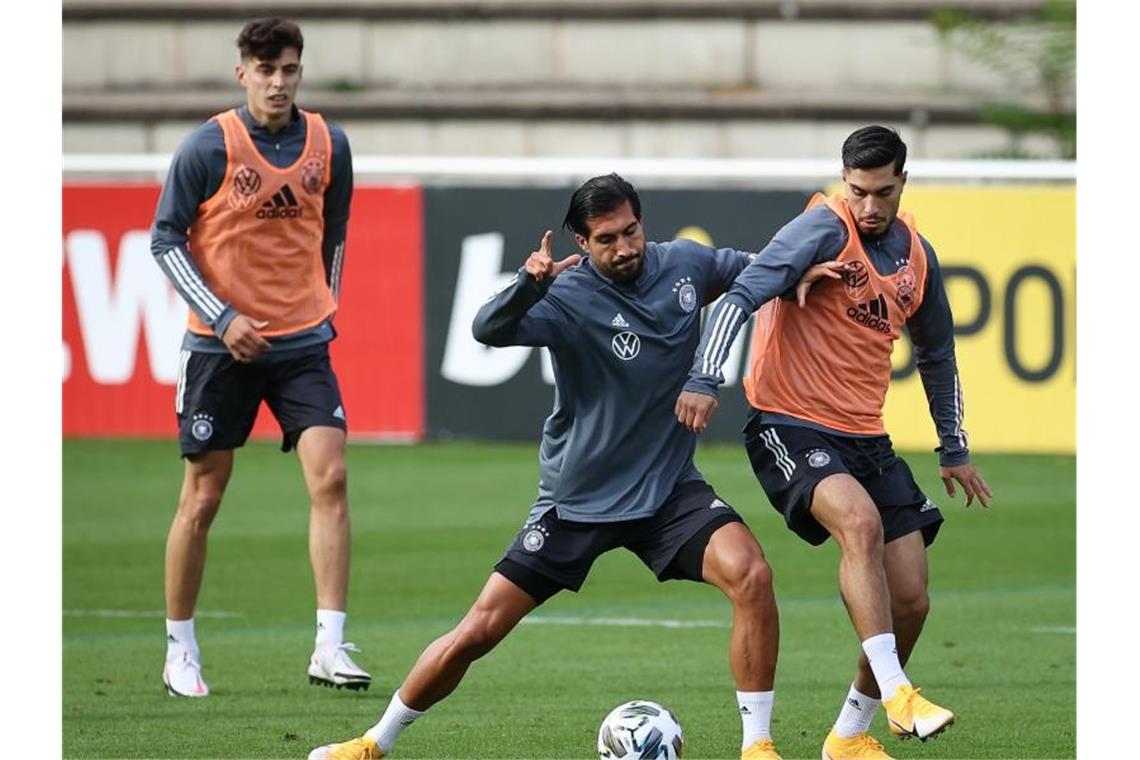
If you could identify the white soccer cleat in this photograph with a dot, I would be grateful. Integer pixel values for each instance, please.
(183, 674)
(330, 665)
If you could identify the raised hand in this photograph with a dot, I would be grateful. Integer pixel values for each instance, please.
(540, 265)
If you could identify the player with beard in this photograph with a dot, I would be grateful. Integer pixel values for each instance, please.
(815, 436)
(616, 470)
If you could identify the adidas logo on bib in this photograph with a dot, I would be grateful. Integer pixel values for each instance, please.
(283, 205)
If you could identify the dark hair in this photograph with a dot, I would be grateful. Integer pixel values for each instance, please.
(598, 197)
(265, 38)
(872, 147)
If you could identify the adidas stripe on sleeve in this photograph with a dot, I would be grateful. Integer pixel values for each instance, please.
(808, 239)
(335, 271)
(187, 280)
(720, 331)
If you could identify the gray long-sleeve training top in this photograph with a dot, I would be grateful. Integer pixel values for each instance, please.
(612, 448)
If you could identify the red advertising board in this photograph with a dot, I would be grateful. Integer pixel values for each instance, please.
(123, 323)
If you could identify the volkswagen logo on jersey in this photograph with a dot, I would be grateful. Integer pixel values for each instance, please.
(626, 346)
(855, 277)
(246, 183)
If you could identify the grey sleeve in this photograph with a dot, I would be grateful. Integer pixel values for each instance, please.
(724, 266)
(338, 199)
(519, 315)
(812, 237)
(931, 329)
(194, 176)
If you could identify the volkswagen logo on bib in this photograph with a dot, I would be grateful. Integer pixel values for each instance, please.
(626, 345)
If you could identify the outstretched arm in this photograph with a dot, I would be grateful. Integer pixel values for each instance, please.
(811, 238)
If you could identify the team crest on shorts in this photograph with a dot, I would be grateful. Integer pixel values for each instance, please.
(686, 293)
(818, 458)
(534, 538)
(202, 426)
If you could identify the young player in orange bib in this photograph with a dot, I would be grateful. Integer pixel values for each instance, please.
(250, 230)
(818, 379)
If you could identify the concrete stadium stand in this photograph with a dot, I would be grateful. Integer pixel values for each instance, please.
(708, 78)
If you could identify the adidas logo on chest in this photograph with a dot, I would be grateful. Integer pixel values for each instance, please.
(872, 314)
(282, 205)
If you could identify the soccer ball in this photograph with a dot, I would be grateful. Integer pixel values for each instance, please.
(640, 729)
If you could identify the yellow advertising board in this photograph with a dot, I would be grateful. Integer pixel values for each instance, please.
(1008, 256)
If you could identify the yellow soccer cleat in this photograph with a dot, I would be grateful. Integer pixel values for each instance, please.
(761, 749)
(364, 748)
(910, 714)
(863, 745)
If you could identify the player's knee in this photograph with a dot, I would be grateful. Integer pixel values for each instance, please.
(757, 585)
(200, 507)
(748, 579)
(331, 484)
(861, 531)
(910, 607)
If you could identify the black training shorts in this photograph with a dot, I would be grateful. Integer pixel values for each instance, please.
(791, 460)
(217, 398)
(553, 554)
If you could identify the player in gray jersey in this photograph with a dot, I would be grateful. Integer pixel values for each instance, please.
(616, 469)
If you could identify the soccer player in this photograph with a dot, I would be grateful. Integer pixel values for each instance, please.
(616, 470)
(250, 229)
(815, 435)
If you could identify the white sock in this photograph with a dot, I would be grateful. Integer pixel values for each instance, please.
(396, 718)
(180, 633)
(856, 715)
(884, 656)
(755, 715)
(330, 627)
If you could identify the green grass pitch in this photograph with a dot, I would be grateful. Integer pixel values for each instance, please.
(428, 523)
